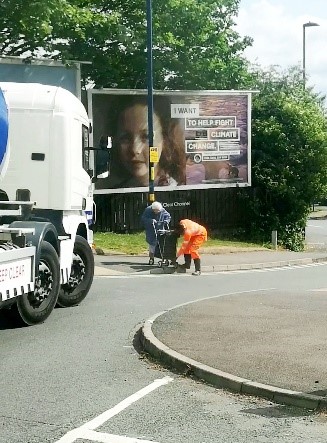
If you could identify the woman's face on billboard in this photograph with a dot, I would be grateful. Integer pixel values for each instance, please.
(133, 143)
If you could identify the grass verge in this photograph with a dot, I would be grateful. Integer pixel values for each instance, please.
(136, 244)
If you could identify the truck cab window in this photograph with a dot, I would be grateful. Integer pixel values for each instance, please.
(86, 151)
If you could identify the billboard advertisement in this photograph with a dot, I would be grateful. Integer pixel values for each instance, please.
(202, 139)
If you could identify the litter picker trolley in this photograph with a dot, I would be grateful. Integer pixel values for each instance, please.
(166, 245)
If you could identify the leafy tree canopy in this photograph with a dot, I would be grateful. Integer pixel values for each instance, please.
(195, 45)
(289, 154)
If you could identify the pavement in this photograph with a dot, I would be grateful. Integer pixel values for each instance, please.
(211, 261)
(269, 344)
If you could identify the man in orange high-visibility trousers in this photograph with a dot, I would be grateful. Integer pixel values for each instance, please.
(194, 235)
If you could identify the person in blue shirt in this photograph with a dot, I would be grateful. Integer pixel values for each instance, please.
(154, 217)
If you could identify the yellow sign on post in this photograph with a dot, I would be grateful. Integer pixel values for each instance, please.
(154, 155)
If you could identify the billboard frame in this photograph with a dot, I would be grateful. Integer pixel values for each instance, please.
(178, 93)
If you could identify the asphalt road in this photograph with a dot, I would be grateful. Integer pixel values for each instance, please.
(78, 378)
(316, 233)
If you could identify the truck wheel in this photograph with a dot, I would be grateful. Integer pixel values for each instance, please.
(36, 306)
(81, 277)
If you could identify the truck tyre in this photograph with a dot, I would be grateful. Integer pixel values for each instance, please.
(81, 277)
(35, 307)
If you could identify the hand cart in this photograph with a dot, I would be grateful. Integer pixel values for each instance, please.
(166, 246)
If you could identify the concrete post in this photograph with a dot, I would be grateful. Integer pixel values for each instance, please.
(274, 239)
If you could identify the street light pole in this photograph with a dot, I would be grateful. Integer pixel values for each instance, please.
(305, 25)
(151, 197)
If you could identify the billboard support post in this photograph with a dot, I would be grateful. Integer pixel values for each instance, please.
(151, 196)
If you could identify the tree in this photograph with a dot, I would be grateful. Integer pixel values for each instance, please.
(289, 156)
(50, 27)
(196, 46)
(194, 43)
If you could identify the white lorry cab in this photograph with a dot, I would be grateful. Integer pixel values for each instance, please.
(46, 200)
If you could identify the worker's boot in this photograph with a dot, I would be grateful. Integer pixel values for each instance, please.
(182, 268)
(197, 264)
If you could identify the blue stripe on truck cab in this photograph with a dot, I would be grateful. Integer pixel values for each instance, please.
(3, 128)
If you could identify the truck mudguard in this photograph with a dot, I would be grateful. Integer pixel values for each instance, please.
(43, 231)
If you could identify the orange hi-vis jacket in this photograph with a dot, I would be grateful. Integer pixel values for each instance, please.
(194, 236)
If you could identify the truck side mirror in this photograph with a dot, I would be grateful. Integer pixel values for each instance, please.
(102, 164)
(102, 158)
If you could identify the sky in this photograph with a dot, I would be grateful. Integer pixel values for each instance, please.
(276, 27)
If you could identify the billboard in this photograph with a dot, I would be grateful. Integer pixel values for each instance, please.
(202, 139)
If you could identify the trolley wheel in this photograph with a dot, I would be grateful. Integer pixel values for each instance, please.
(159, 264)
(175, 264)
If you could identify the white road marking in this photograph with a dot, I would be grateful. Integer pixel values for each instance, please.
(278, 268)
(101, 437)
(82, 431)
